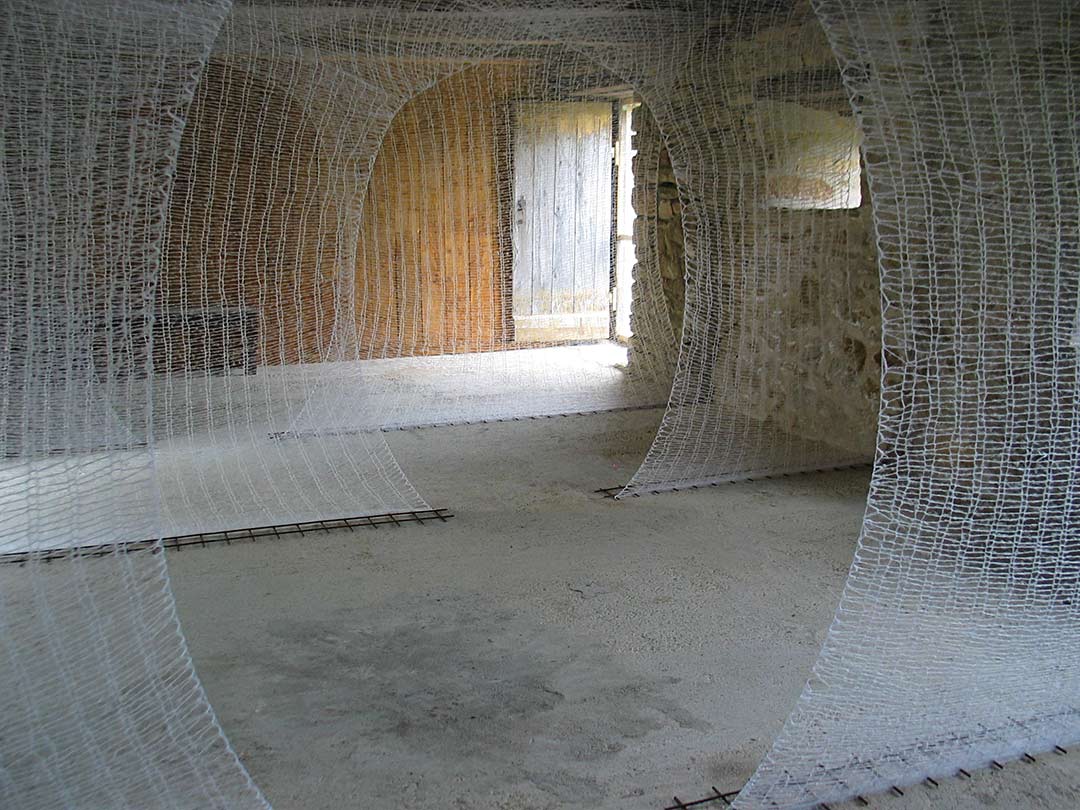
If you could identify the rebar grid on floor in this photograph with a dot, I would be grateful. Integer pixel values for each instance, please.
(178, 542)
(723, 798)
(726, 799)
(611, 492)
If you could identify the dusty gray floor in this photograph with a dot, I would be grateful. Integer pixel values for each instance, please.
(545, 649)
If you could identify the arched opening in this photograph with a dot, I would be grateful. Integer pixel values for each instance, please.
(427, 284)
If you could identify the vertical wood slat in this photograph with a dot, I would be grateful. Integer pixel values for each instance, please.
(565, 194)
(431, 249)
(562, 237)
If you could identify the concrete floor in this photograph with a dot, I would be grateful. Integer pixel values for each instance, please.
(406, 392)
(547, 648)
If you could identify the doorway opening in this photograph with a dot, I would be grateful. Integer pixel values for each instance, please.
(496, 257)
(562, 230)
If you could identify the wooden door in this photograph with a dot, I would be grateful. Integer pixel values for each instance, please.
(562, 221)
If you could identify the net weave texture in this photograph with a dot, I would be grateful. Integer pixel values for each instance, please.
(778, 365)
(955, 642)
(99, 706)
(241, 241)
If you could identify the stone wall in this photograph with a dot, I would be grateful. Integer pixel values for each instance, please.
(658, 233)
(669, 240)
(806, 324)
(658, 293)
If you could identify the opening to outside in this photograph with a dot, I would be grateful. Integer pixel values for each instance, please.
(813, 157)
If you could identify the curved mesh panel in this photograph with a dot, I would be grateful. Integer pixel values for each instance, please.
(955, 642)
(382, 215)
(100, 706)
(779, 363)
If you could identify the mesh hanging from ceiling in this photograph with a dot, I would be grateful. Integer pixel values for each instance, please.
(384, 216)
(99, 706)
(391, 215)
(402, 214)
(778, 368)
(956, 641)
(457, 217)
(779, 363)
(225, 354)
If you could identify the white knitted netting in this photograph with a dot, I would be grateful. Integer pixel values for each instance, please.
(387, 215)
(401, 215)
(99, 705)
(958, 637)
(384, 214)
(408, 208)
(779, 362)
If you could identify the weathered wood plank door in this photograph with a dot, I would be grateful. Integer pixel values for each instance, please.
(562, 221)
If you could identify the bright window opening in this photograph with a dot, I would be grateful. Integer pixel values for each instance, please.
(813, 157)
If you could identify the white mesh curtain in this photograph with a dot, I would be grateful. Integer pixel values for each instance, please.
(778, 362)
(340, 246)
(123, 417)
(957, 640)
(340, 242)
(99, 706)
